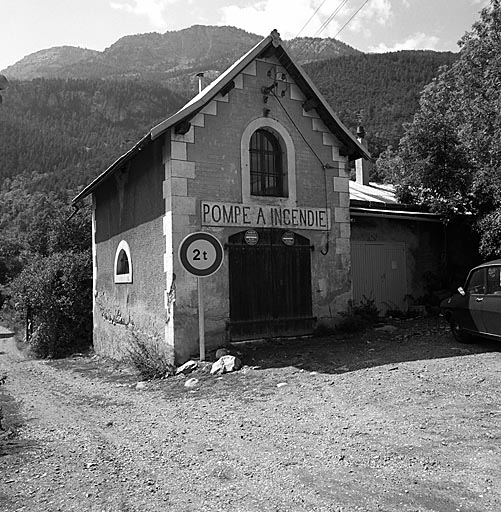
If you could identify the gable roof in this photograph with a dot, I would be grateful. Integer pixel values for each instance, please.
(270, 45)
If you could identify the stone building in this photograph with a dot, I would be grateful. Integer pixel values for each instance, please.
(259, 159)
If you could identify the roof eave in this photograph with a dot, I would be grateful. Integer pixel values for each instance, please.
(111, 169)
(353, 148)
(181, 115)
(329, 117)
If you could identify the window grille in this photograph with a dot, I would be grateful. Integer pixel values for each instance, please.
(266, 165)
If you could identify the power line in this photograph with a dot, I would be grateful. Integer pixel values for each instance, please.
(322, 27)
(297, 128)
(324, 166)
(311, 17)
(356, 12)
(327, 22)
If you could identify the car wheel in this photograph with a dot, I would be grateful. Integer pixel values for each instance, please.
(458, 332)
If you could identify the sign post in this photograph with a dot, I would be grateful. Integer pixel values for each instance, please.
(201, 254)
(201, 319)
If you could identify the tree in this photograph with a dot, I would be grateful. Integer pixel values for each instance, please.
(451, 152)
(58, 291)
(435, 169)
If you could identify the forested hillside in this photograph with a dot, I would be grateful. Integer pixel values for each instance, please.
(55, 136)
(381, 89)
(58, 134)
(64, 132)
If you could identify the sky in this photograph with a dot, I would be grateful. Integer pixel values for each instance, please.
(27, 26)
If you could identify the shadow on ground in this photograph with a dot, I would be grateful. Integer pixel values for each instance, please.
(387, 344)
(10, 444)
(390, 343)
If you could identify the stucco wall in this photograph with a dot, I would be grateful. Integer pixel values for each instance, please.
(130, 207)
(205, 164)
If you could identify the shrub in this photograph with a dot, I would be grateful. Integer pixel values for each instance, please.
(58, 291)
(148, 359)
(359, 316)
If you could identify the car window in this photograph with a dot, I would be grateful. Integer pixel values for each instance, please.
(494, 280)
(476, 283)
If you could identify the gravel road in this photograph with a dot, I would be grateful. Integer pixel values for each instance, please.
(403, 419)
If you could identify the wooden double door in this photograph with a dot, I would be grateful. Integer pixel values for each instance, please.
(270, 284)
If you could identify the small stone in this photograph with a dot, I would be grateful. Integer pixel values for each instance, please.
(191, 383)
(281, 384)
(386, 328)
(141, 385)
(187, 367)
(226, 364)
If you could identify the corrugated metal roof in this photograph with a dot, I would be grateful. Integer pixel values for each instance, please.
(373, 193)
(379, 200)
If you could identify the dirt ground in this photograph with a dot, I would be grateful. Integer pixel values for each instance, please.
(385, 420)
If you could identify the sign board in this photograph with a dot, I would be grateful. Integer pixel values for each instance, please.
(221, 214)
(201, 254)
(251, 237)
(288, 238)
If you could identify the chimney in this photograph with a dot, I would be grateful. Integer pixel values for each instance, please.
(200, 77)
(362, 166)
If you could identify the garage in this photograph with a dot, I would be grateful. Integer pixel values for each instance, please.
(379, 274)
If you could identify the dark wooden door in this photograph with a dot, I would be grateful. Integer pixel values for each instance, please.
(270, 284)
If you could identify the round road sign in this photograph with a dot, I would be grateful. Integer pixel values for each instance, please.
(201, 254)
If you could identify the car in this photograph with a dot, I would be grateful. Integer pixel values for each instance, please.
(476, 309)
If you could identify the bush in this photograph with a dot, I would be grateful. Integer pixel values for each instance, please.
(359, 316)
(146, 357)
(58, 291)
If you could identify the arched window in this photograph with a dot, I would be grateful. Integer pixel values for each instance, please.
(123, 263)
(255, 190)
(267, 174)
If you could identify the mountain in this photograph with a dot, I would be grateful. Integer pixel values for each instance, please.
(172, 58)
(47, 63)
(68, 129)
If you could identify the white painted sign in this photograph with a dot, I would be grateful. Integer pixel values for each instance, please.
(245, 215)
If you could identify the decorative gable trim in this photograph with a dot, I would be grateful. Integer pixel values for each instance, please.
(206, 102)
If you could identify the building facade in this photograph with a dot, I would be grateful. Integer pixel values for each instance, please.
(259, 160)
